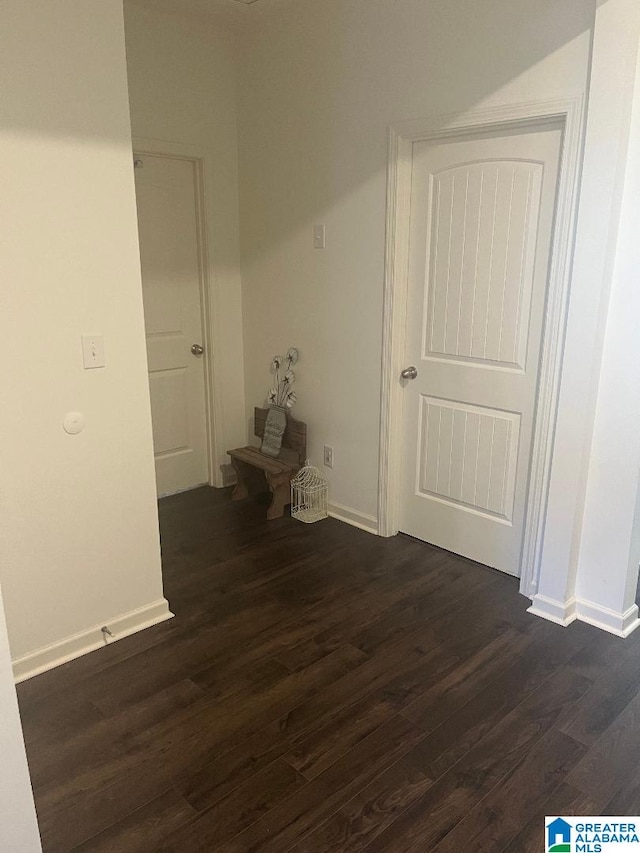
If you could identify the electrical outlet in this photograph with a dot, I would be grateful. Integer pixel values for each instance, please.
(328, 456)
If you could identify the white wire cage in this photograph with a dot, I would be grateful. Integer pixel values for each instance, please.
(309, 495)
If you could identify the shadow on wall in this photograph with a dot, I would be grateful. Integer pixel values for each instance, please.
(325, 81)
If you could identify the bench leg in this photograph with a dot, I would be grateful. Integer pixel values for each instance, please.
(241, 490)
(280, 487)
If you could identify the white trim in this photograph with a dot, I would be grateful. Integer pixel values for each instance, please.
(402, 138)
(561, 612)
(216, 447)
(88, 641)
(564, 613)
(181, 491)
(620, 624)
(354, 518)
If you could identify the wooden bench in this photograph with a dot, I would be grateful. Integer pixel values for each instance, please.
(278, 471)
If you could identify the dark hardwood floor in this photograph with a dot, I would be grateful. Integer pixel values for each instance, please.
(322, 689)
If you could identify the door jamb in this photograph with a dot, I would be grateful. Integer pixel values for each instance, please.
(403, 135)
(197, 156)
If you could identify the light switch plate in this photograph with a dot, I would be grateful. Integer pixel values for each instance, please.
(319, 237)
(93, 351)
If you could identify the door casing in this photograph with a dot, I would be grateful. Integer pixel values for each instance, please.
(177, 151)
(403, 135)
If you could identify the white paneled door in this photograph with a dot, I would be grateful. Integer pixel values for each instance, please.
(482, 211)
(170, 259)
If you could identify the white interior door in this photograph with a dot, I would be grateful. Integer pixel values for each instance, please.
(170, 259)
(482, 211)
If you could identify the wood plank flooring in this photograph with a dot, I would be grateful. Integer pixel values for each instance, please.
(322, 689)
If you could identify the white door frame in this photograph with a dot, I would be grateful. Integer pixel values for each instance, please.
(195, 155)
(403, 135)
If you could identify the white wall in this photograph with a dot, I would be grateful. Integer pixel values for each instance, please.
(78, 518)
(610, 543)
(319, 85)
(18, 825)
(182, 84)
(590, 560)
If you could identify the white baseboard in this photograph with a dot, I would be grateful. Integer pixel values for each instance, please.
(88, 641)
(560, 612)
(354, 518)
(620, 624)
(564, 613)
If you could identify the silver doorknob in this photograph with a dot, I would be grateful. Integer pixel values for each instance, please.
(409, 373)
(196, 349)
